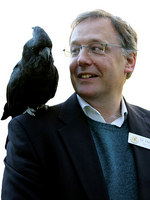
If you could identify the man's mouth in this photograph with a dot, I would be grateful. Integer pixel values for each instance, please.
(85, 76)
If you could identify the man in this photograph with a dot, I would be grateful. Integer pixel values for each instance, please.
(80, 149)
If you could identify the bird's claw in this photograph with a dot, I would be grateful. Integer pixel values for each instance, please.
(43, 106)
(30, 111)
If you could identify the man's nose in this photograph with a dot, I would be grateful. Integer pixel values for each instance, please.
(84, 48)
(84, 58)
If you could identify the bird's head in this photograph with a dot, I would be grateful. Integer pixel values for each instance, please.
(40, 44)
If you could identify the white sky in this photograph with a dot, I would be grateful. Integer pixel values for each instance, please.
(17, 17)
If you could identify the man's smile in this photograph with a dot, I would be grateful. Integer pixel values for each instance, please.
(87, 76)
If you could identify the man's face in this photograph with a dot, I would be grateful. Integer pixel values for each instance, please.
(97, 76)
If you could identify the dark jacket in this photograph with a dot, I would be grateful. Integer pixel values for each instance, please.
(53, 156)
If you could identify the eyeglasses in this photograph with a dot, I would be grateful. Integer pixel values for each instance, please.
(95, 48)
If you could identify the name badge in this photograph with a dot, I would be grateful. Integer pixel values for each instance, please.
(139, 140)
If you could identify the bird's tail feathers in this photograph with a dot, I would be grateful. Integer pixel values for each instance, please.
(5, 113)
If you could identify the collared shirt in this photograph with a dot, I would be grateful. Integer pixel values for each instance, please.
(95, 115)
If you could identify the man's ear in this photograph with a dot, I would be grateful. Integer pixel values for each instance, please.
(130, 63)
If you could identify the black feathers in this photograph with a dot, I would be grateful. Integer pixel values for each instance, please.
(34, 79)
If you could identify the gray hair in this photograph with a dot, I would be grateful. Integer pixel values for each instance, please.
(127, 35)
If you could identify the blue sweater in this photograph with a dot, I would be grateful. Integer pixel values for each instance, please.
(116, 159)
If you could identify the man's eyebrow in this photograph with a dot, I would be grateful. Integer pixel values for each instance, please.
(76, 42)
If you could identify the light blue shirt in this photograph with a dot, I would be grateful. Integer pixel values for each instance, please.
(95, 115)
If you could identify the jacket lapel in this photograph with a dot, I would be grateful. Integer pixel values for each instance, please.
(76, 135)
(139, 123)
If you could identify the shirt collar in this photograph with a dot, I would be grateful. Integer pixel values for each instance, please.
(95, 115)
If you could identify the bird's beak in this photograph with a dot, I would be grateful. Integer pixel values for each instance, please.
(45, 53)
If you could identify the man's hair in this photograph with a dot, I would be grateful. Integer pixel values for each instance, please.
(127, 35)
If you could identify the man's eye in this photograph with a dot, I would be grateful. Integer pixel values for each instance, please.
(75, 51)
(97, 48)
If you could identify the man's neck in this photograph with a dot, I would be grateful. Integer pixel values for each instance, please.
(110, 109)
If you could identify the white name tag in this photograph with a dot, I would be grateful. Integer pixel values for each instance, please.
(139, 140)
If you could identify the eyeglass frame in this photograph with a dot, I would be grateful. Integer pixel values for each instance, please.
(90, 51)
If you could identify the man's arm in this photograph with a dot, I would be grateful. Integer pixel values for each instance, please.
(21, 178)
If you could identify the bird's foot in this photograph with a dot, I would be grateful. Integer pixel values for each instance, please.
(30, 111)
(43, 106)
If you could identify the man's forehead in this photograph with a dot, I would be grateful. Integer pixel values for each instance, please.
(98, 22)
(94, 29)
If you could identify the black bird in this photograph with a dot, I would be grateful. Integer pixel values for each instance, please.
(34, 79)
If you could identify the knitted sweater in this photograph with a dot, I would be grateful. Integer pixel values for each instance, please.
(116, 159)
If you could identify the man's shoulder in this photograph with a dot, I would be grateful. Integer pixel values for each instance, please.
(138, 109)
(44, 121)
(41, 114)
(50, 113)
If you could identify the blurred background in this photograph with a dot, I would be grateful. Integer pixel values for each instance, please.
(17, 18)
